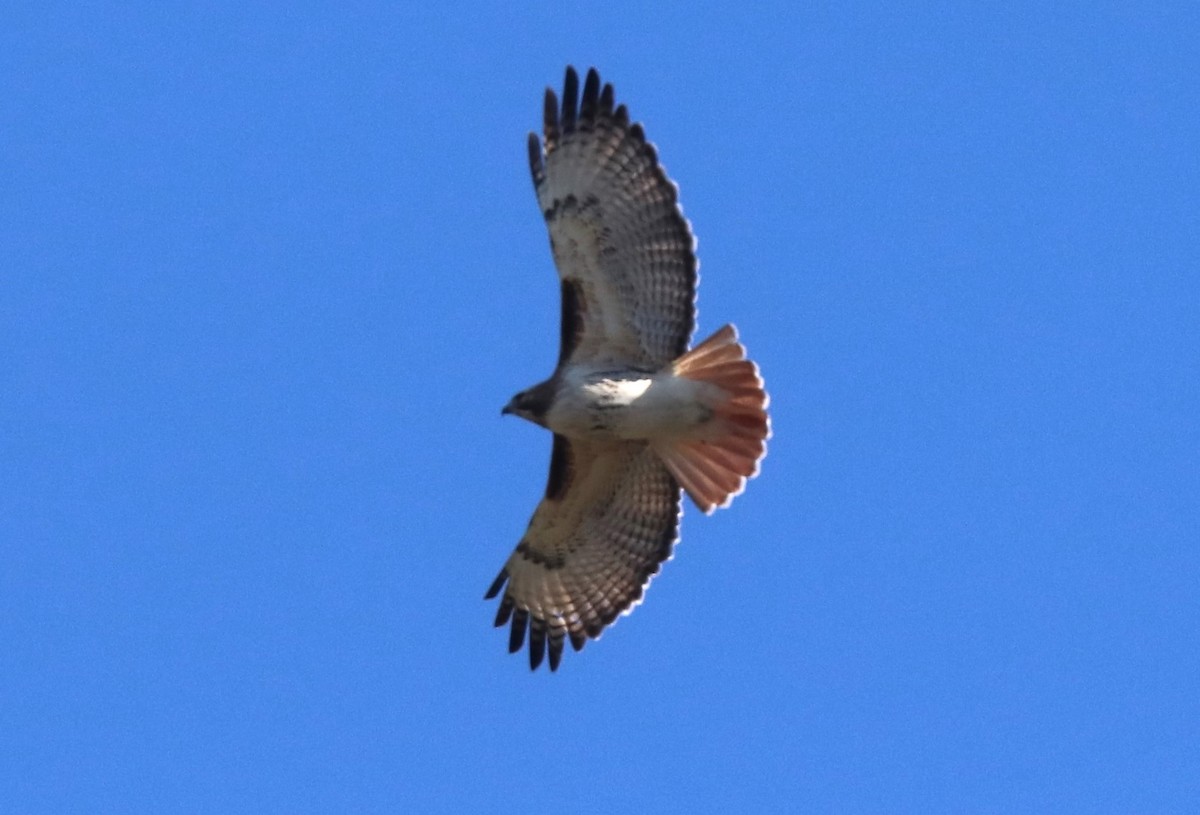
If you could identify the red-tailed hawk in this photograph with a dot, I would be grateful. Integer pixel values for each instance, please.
(635, 414)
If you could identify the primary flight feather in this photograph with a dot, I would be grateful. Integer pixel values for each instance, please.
(637, 418)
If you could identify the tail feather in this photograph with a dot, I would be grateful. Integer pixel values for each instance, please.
(720, 347)
(732, 370)
(741, 448)
(709, 483)
(714, 466)
(722, 457)
(749, 400)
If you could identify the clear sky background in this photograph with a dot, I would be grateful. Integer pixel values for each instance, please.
(269, 271)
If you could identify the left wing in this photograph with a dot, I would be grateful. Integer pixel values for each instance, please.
(609, 519)
(625, 253)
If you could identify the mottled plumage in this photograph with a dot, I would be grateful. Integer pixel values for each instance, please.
(635, 415)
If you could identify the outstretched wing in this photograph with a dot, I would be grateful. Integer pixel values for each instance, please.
(624, 251)
(609, 519)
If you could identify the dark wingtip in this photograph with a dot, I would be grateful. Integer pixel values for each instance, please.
(497, 584)
(516, 637)
(504, 611)
(537, 643)
(570, 101)
(537, 166)
(550, 118)
(591, 97)
(556, 649)
(606, 99)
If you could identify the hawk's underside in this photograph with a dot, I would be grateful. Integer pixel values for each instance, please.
(635, 414)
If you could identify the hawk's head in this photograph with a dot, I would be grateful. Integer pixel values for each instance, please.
(531, 404)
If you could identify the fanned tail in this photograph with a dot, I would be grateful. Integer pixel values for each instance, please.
(714, 466)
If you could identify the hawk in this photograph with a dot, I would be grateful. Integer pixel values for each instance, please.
(636, 416)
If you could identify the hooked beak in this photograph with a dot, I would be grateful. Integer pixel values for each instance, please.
(506, 410)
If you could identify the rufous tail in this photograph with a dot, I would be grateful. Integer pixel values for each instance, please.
(714, 466)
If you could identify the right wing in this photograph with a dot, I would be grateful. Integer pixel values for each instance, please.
(609, 519)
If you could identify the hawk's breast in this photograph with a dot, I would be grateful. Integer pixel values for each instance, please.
(628, 405)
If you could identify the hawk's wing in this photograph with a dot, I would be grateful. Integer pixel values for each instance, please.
(624, 251)
(609, 519)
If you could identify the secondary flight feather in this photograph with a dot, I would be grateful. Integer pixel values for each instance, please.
(637, 418)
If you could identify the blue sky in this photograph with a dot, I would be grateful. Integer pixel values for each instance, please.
(270, 271)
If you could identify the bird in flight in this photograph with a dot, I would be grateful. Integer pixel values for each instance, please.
(636, 415)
